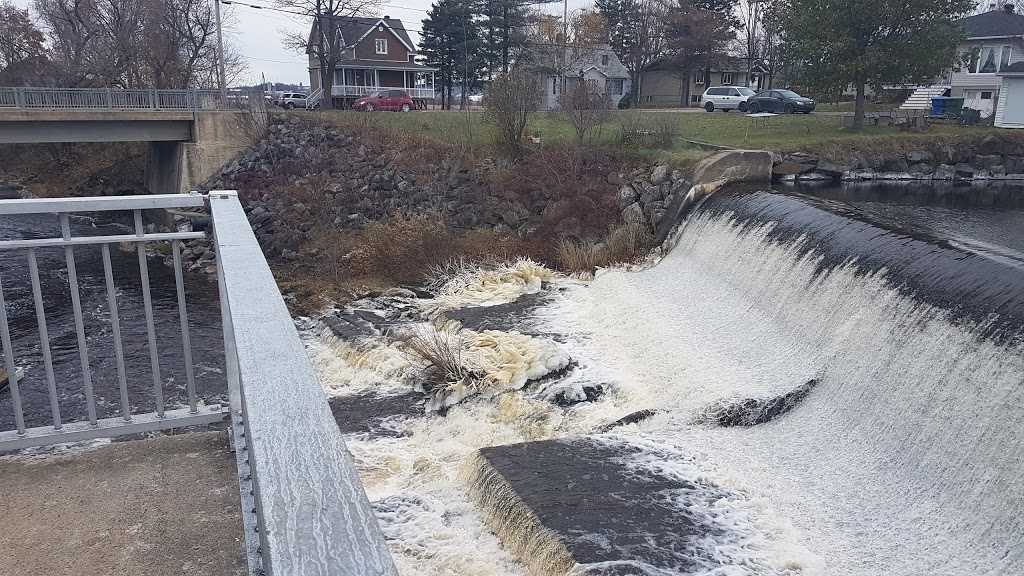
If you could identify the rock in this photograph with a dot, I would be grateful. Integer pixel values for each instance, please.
(633, 215)
(814, 177)
(870, 161)
(832, 169)
(997, 171)
(895, 165)
(289, 254)
(964, 170)
(568, 227)
(650, 195)
(983, 161)
(1014, 164)
(787, 178)
(787, 167)
(920, 157)
(677, 176)
(627, 195)
(801, 158)
(944, 172)
(615, 179)
(653, 207)
(659, 175)
(922, 168)
(754, 411)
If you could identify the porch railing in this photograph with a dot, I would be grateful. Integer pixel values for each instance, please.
(110, 99)
(304, 510)
(417, 93)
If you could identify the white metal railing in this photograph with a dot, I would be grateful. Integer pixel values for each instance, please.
(110, 99)
(128, 422)
(314, 98)
(304, 509)
(417, 93)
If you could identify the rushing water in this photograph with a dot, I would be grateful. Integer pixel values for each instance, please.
(906, 309)
(204, 325)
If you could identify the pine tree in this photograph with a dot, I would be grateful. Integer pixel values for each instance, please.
(451, 42)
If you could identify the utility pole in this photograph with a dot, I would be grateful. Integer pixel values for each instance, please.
(222, 75)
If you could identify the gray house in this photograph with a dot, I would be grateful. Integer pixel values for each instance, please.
(598, 65)
(995, 40)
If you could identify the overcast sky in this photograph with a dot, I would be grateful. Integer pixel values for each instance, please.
(257, 34)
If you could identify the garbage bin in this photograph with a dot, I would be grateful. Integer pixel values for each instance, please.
(954, 106)
(939, 105)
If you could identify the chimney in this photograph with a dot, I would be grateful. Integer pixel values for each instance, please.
(386, 17)
(1008, 8)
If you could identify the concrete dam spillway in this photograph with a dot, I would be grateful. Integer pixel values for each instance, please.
(819, 383)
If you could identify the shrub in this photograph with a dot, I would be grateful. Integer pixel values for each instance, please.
(622, 245)
(403, 248)
(510, 101)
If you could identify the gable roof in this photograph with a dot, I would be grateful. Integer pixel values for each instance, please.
(544, 60)
(353, 29)
(993, 24)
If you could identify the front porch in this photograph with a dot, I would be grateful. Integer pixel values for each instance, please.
(355, 79)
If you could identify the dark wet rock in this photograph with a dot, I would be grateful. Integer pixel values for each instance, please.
(832, 169)
(567, 398)
(754, 411)
(504, 317)
(919, 157)
(369, 413)
(633, 418)
(964, 170)
(560, 504)
(791, 168)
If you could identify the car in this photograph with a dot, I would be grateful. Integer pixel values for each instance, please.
(785, 101)
(290, 100)
(395, 100)
(725, 98)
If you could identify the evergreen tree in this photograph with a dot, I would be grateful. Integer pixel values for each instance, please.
(636, 33)
(451, 42)
(840, 43)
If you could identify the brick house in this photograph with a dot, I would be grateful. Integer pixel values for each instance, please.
(378, 54)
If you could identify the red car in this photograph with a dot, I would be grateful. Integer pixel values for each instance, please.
(395, 100)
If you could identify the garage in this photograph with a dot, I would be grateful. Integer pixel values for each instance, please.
(1010, 109)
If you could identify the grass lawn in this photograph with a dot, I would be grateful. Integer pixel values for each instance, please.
(784, 133)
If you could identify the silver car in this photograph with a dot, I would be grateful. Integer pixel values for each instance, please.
(726, 98)
(292, 100)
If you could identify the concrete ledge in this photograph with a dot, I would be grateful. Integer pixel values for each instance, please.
(91, 115)
(710, 175)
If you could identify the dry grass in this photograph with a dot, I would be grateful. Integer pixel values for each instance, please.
(623, 245)
(440, 349)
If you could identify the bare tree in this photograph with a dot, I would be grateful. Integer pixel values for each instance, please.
(636, 31)
(326, 42)
(693, 38)
(585, 107)
(512, 98)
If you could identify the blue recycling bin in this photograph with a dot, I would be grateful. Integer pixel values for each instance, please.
(939, 105)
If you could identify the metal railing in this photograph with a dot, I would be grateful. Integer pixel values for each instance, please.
(128, 422)
(110, 99)
(304, 510)
(418, 93)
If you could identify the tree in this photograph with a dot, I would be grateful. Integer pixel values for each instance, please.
(504, 31)
(871, 42)
(451, 43)
(636, 34)
(326, 42)
(693, 38)
(21, 44)
(510, 101)
(585, 107)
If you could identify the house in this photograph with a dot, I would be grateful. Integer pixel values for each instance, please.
(597, 65)
(1010, 109)
(663, 84)
(377, 54)
(995, 41)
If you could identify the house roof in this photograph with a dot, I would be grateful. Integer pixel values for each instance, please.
(1015, 68)
(581, 59)
(993, 24)
(353, 29)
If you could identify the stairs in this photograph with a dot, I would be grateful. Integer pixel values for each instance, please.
(921, 99)
(314, 99)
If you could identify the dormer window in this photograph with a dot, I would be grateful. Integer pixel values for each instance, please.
(382, 45)
(604, 60)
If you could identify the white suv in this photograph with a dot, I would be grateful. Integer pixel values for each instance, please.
(292, 100)
(726, 98)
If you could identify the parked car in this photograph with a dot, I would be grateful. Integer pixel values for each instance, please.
(785, 101)
(395, 100)
(726, 98)
(291, 100)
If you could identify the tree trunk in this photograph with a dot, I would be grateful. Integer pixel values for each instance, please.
(634, 89)
(327, 83)
(858, 111)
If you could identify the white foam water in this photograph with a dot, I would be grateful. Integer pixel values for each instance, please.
(906, 458)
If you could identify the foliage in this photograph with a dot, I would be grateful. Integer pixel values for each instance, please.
(22, 49)
(403, 248)
(510, 102)
(134, 43)
(636, 33)
(451, 43)
(585, 107)
(624, 244)
(505, 27)
(693, 39)
(326, 41)
(871, 42)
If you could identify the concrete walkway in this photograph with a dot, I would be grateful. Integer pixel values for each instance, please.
(154, 507)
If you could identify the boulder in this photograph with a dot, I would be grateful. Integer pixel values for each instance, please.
(788, 168)
(922, 168)
(627, 195)
(964, 170)
(1013, 164)
(920, 157)
(813, 177)
(801, 158)
(652, 194)
(831, 169)
(659, 175)
(983, 161)
(895, 165)
(615, 178)
(870, 161)
(944, 172)
(633, 215)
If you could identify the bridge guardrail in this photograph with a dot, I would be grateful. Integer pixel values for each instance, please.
(111, 99)
(304, 509)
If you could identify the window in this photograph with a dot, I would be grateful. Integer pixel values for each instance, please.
(695, 98)
(986, 95)
(614, 87)
(698, 78)
(734, 92)
(554, 85)
(990, 59)
(727, 78)
(604, 60)
(382, 45)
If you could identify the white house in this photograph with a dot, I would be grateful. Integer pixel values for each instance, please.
(598, 66)
(995, 41)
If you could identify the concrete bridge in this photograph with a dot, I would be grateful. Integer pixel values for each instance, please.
(191, 133)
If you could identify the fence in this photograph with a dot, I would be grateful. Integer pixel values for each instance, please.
(111, 99)
(304, 508)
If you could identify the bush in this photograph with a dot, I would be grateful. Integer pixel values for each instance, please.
(403, 248)
(510, 101)
(623, 245)
(644, 130)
